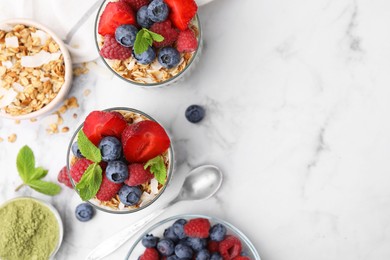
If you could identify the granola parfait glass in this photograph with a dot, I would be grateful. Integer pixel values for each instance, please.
(148, 196)
(152, 75)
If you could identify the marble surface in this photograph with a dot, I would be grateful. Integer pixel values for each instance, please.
(297, 98)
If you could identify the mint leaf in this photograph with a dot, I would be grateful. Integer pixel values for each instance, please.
(25, 163)
(87, 148)
(45, 187)
(144, 39)
(90, 183)
(158, 168)
(156, 37)
(39, 173)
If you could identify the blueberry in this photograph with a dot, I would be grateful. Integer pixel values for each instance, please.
(183, 251)
(125, 35)
(166, 247)
(110, 148)
(173, 257)
(169, 233)
(129, 195)
(149, 241)
(84, 212)
(178, 228)
(203, 254)
(158, 11)
(76, 151)
(142, 17)
(216, 256)
(217, 232)
(197, 243)
(169, 57)
(195, 113)
(117, 171)
(146, 57)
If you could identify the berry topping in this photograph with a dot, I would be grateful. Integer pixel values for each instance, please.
(195, 113)
(187, 42)
(138, 175)
(241, 257)
(158, 11)
(197, 243)
(117, 171)
(217, 232)
(110, 148)
(113, 50)
(143, 19)
(143, 141)
(125, 35)
(183, 251)
(230, 247)
(203, 255)
(84, 212)
(170, 234)
(216, 256)
(165, 29)
(150, 254)
(182, 12)
(79, 168)
(115, 14)
(99, 124)
(108, 189)
(178, 228)
(169, 57)
(197, 227)
(146, 57)
(63, 177)
(136, 4)
(150, 241)
(129, 195)
(213, 246)
(166, 247)
(76, 151)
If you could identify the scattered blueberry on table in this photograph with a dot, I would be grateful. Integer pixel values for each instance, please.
(195, 113)
(84, 212)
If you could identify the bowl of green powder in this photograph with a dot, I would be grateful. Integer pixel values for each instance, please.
(30, 229)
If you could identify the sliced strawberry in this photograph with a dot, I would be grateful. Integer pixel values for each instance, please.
(143, 141)
(182, 12)
(115, 14)
(99, 124)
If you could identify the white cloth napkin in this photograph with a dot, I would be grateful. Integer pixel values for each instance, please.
(60, 16)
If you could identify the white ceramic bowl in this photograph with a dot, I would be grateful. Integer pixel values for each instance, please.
(68, 71)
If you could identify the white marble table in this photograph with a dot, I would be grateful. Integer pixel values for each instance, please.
(297, 97)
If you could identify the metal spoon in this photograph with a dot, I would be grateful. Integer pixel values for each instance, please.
(201, 183)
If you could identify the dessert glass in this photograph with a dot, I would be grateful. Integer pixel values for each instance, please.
(185, 71)
(109, 206)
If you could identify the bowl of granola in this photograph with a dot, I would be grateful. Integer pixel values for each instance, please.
(120, 160)
(35, 69)
(149, 43)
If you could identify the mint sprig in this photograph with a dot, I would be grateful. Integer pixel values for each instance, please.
(87, 148)
(144, 39)
(31, 176)
(157, 168)
(90, 182)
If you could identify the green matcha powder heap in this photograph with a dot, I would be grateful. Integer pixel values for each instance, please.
(29, 230)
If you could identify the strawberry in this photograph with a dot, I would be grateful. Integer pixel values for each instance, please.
(79, 168)
(115, 14)
(197, 227)
(113, 50)
(213, 246)
(181, 12)
(143, 141)
(240, 257)
(107, 189)
(63, 177)
(101, 123)
(138, 175)
(136, 4)
(187, 42)
(230, 247)
(150, 254)
(165, 29)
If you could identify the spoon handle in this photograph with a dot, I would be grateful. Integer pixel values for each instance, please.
(114, 242)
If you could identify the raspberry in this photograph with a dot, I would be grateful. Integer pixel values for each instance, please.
(169, 33)
(240, 257)
(187, 42)
(63, 177)
(136, 4)
(197, 227)
(150, 254)
(230, 247)
(213, 246)
(113, 50)
(79, 168)
(138, 175)
(107, 189)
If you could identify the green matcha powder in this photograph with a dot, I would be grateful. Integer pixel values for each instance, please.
(28, 230)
